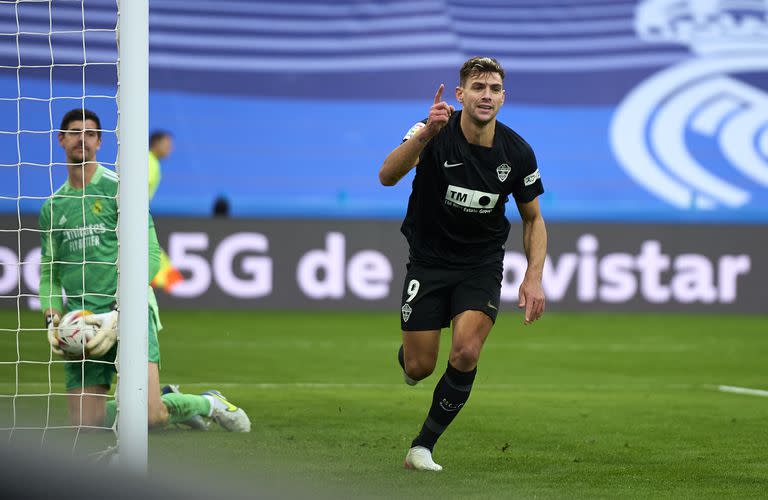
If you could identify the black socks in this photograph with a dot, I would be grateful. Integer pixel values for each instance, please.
(451, 393)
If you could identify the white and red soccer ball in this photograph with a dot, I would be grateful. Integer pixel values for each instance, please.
(74, 332)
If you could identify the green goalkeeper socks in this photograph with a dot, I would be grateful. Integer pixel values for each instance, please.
(181, 407)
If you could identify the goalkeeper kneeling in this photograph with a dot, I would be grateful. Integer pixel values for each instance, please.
(78, 228)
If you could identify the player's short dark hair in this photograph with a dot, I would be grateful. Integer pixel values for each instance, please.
(157, 136)
(75, 115)
(479, 65)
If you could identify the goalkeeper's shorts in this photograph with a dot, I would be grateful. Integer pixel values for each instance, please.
(101, 371)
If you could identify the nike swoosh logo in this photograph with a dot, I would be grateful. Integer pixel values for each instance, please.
(451, 165)
(491, 305)
(230, 406)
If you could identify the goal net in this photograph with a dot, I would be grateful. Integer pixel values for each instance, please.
(56, 56)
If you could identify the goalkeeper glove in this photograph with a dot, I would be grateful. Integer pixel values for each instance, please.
(52, 324)
(106, 333)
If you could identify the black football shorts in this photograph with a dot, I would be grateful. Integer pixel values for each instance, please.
(433, 296)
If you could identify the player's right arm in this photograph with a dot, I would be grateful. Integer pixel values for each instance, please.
(404, 157)
(49, 286)
(49, 281)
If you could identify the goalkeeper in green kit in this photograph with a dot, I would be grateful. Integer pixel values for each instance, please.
(78, 227)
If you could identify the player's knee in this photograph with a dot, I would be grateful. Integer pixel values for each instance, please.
(88, 420)
(157, 416)
(419, 369)
(465, 357)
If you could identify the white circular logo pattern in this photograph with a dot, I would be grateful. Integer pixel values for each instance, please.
(700, 96)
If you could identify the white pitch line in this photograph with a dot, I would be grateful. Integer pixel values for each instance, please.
(43, 386)
(430, 386)
(742, 390)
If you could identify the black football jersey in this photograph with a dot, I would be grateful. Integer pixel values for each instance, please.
(456, 212)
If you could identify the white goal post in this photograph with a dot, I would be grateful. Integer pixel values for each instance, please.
(133, 202)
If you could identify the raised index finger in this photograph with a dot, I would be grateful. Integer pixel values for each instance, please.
(439, 95)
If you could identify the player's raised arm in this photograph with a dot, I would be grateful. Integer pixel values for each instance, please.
(404, 157)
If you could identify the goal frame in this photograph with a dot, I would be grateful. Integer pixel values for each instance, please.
(133, 205)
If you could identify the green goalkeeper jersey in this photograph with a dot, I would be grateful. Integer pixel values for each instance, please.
(78, 229)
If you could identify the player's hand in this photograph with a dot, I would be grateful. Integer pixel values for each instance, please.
(106, 333)
(532, 299)
(439, 113)
(52, 323)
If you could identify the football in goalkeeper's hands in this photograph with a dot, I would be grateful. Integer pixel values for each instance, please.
(74, 332)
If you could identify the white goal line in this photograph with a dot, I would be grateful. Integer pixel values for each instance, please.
(391, 385)
(742, 390)
(344, 385)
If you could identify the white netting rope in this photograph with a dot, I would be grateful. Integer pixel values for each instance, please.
(44, 44)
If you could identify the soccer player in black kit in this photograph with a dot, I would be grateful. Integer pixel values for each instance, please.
(467, 164)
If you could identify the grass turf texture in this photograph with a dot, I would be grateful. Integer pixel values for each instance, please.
(577, 405)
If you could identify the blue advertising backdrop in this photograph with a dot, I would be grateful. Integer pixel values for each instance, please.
(639, 111)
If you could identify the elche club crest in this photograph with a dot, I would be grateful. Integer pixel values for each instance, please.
(699, 101)
(503, 171)
(406, 310)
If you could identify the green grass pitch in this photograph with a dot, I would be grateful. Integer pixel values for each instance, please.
(574, 406)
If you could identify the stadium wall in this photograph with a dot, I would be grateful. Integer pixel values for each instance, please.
(313, 264)
(636, 111)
